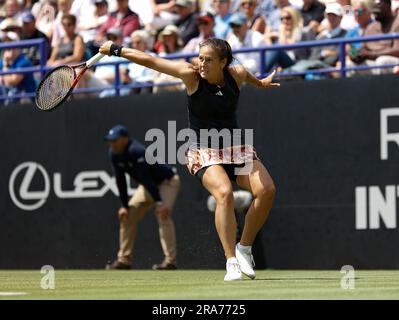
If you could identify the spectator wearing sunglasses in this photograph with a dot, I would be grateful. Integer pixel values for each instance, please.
(290, 31)
(363, 15)
(384, 52)
(273, 19)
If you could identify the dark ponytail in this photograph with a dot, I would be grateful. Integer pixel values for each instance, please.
(222, 48)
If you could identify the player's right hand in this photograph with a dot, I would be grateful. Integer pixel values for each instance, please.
(267, 82)
(122, 213)
(105, 48)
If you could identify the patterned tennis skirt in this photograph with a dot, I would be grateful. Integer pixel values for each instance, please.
(201, 157)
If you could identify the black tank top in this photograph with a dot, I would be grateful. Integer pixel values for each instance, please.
(214, 107)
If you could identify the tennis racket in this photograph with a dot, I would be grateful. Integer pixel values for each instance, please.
(58, 84)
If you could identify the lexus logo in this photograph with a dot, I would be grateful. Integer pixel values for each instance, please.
(24, 201)
(86, 184)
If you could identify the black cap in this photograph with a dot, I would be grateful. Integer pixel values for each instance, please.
(116, 132)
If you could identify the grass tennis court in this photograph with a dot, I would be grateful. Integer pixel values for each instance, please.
(190, 284)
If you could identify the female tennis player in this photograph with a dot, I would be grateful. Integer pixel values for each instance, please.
(213, 89)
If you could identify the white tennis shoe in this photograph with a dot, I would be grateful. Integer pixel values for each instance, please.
(246, 261)
(233, 271)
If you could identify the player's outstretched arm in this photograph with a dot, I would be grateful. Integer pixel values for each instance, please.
(242, 75)
(179, 69)
(262, 83)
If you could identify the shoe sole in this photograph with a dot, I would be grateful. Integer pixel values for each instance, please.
(252, 277)
(239, 279)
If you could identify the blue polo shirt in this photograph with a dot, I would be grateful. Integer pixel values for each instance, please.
(222, 27)
(28, 83)
(133, 162)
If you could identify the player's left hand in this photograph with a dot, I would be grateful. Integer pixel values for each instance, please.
(105, 48)
(267, 82)
(163, 212)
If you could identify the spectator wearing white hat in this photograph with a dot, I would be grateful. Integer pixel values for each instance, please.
(348, 20)
(169, 40)
(330, 54)
(325, 56)
(11, 24)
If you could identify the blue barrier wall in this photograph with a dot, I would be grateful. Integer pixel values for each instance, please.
(342, 69)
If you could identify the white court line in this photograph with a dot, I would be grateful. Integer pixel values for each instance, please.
(8, 294)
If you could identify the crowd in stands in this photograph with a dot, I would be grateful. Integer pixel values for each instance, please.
(74, 30)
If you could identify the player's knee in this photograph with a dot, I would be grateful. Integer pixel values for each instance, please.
(267, 193)
(225, 196)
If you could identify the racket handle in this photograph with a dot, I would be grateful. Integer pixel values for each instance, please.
(93, 60)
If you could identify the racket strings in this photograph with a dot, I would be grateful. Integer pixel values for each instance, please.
(55, 88)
